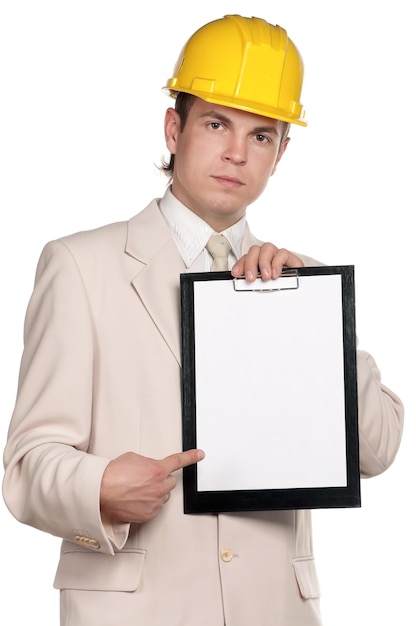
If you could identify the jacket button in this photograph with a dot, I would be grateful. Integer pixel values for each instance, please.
(226, 555)
(87, 541)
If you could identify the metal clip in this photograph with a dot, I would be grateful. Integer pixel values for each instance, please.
(289, 279)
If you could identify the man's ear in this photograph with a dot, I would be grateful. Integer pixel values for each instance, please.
(172, 128)
(281, 152)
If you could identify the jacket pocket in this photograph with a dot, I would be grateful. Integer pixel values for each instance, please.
(306, 577)
(100, 572)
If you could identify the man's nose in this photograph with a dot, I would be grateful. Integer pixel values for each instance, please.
(236, 150)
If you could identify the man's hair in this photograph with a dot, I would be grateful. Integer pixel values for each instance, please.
(183, 105)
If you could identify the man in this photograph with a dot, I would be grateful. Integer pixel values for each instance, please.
(93, 454)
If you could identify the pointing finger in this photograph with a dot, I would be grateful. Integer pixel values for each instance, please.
(182, 459)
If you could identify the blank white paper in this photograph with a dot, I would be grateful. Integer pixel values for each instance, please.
(270, 406)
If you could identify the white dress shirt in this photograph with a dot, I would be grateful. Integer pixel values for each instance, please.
(191, 234)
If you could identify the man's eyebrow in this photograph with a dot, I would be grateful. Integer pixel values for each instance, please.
(218, 116)
(266, 129)
(223, 118)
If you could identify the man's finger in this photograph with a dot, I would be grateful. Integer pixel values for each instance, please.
(177, 461)
(285, 258)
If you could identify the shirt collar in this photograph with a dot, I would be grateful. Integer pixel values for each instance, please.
(191, 232)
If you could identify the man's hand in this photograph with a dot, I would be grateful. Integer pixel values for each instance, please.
(266, 259)
(134, 488)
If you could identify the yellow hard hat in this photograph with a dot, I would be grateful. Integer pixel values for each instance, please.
(245, 63)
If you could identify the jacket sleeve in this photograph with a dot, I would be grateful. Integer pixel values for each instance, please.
(380, 415)
(51, 482)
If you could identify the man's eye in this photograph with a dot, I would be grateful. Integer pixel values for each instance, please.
(262, 138)
(215, 125)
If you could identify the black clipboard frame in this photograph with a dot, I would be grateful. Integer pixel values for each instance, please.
(271, 499)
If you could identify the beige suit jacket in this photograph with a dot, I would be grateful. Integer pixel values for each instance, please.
(100, 375)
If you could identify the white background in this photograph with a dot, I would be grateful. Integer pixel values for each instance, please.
(81, 115)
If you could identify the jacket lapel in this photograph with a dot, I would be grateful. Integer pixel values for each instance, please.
(150, 242)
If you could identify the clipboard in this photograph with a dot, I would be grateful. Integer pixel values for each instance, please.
(276, 412)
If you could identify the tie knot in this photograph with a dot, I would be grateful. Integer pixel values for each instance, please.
(219, 248)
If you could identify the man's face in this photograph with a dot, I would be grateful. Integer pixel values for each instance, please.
(223, 159)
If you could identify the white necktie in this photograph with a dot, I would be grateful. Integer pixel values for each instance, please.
(219, 248)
